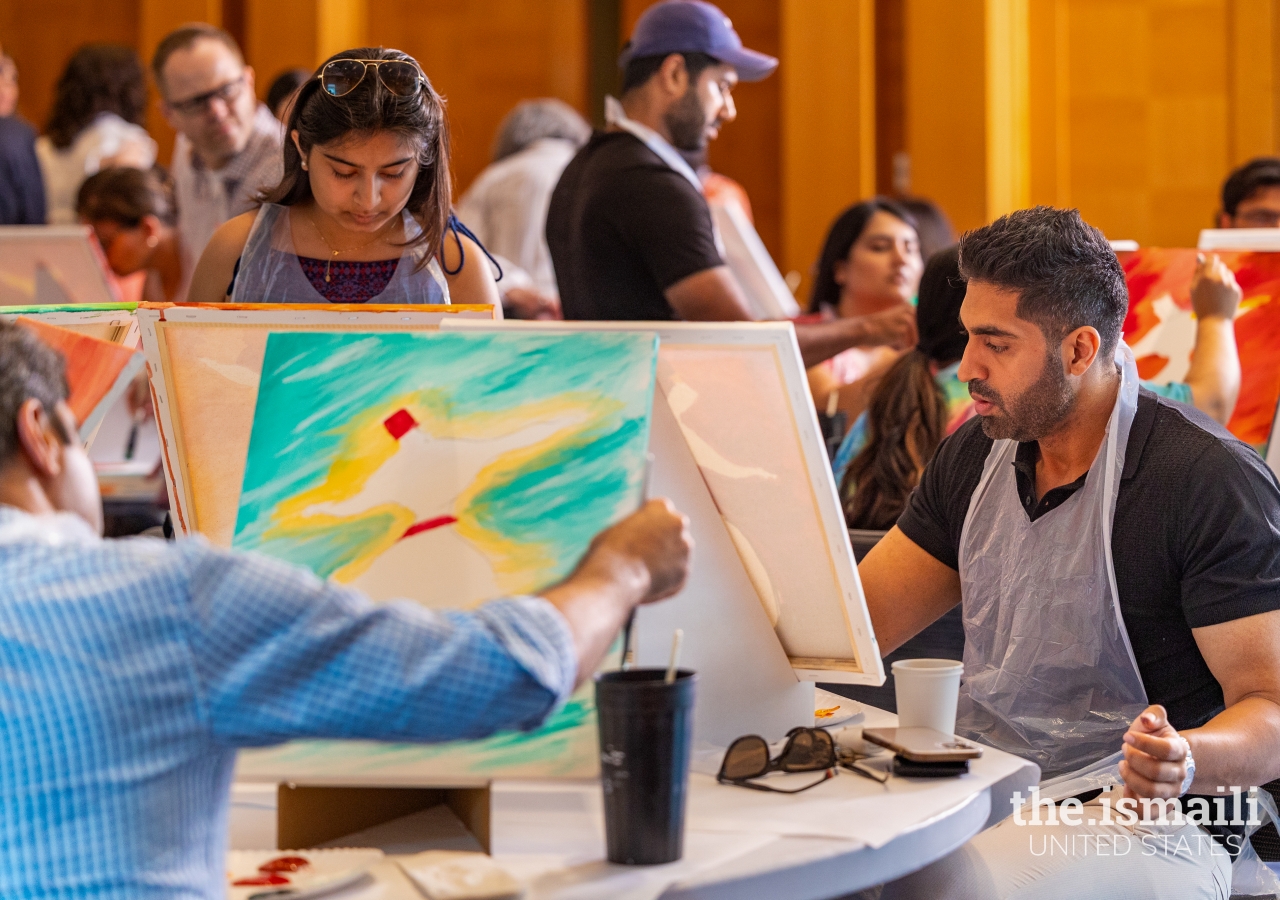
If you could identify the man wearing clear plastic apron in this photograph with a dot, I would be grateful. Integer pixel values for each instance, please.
(1118, 560)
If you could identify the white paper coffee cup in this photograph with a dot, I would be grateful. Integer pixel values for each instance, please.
(927, 691)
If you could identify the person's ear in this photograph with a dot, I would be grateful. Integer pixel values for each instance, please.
(1224, 220)
(249, 80)
(151, 229)
(673, 75)
(40, 438)
(1081, 349)
(293, 135)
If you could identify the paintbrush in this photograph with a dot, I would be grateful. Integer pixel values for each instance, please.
(631, 616)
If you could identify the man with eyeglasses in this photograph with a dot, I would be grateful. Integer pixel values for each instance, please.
(229, 144)
(1251, 195)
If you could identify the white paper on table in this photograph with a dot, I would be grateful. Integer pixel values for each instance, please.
(552, 878)
(551, 837)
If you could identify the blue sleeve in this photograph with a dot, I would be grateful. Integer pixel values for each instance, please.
(1177, 391)
(282, 655)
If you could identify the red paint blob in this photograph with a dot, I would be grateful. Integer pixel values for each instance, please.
(257, 880)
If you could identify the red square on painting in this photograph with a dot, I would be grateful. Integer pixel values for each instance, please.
(399, 423)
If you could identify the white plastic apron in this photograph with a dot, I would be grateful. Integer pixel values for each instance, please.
(1049, 674)
(270, 271)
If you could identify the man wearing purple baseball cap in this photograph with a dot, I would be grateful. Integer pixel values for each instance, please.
(630, 232)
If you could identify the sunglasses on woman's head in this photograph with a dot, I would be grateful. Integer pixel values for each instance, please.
(399, 76)
(806, 750)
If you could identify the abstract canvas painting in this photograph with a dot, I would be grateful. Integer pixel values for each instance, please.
(1160, 326)
(447, 468)
(98, 371)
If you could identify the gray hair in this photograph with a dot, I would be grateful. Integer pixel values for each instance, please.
(533, 120)
(31, 370)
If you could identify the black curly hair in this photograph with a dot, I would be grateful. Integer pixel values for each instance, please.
(98, 78)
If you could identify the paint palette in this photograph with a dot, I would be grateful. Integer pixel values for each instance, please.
(300, 873)
(832, 709)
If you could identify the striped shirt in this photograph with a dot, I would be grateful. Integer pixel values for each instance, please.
(131, 670)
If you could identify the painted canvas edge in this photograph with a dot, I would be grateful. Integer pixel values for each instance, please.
(154, 352)
(868, 662)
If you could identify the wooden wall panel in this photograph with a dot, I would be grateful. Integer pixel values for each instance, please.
(41, 35)
(486, 57)
(946, 106)
(1149, 115)
(828, 128)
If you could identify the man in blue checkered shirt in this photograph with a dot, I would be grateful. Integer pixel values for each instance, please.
(131, 671)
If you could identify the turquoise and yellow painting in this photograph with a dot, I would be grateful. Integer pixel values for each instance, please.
(450, 468)
(446, 468)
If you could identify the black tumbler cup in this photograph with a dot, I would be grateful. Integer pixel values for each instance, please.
(646, 731)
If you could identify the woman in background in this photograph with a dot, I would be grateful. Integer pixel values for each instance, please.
(98, 108)
(363, 211)
(870, 262)
(132, 213)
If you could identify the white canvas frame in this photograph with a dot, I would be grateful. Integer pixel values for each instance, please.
(837, 553)
(1242, 239)
(65, 317)
(749, 261)
(69, 251)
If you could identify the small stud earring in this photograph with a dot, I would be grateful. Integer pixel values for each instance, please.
(153, 240)
(304, 167)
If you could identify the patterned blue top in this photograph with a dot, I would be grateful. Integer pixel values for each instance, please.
(131, 670)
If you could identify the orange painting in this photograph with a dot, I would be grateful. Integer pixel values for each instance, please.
(98, 371)
(1160, 327)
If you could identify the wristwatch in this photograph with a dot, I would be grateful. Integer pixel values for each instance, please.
(1191, 768)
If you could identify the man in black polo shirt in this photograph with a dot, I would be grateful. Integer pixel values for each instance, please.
(628, 227)
(1118, 560)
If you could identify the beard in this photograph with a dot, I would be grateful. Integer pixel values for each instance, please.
(687, 122)
(1035, 412)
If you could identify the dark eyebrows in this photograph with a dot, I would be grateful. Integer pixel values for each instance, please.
(992, 331)
(339, 159)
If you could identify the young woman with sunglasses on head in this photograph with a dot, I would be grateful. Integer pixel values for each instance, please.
(363, 211)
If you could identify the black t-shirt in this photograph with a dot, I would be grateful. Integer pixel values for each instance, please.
(1195, 542)
(623, 226)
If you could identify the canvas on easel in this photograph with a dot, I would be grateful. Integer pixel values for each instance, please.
(204, 362)
(450, 469)
(739, 395)
(115, 323)
(98, 372)
(1160, 326)
(52, 265)
(754, 269)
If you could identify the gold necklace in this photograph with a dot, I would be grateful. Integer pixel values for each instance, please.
(377, 237)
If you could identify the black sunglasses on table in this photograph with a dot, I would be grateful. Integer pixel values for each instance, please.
(806, 750)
